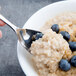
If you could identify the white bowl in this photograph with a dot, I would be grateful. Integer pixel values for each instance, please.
(35, 22)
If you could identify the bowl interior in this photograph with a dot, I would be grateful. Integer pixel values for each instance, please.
(35, 22)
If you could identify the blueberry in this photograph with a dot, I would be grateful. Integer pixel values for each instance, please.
(64, 65)
(65, 35)
(72, 46)
(55, 27)
(73, 61)
(38, 35)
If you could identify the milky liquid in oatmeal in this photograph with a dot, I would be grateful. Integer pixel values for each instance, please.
(52, 47)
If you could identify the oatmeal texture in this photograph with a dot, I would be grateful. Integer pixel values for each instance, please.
(52, 47)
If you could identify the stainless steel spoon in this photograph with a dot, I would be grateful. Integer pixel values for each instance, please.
(20, 32)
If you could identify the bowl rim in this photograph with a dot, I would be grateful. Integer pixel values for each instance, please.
(58, 2)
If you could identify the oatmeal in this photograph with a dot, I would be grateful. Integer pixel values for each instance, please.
(56, 43)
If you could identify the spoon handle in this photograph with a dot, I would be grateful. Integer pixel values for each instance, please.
(8, 23)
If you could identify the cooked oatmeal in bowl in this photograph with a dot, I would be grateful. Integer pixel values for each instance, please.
(54, 50)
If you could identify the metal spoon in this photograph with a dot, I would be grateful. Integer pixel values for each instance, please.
(20, 32)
